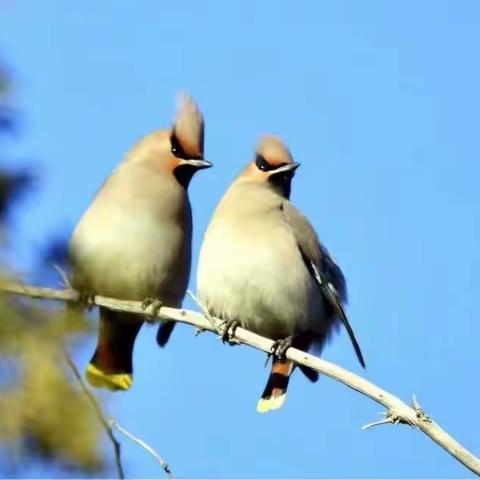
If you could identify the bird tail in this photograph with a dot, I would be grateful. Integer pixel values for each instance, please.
(111, 364)
(312, 375)
(274, 395)
(163, 333)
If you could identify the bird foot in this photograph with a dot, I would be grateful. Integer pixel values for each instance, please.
(86, 299)
(228, 334)
(155, 305)
(280, 347)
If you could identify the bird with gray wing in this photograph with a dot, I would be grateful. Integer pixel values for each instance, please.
(263, 267)
(134, 240)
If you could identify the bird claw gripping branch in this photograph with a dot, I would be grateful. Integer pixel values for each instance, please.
(155, 304)
(228, 334)
(280, 347)
(86, 299)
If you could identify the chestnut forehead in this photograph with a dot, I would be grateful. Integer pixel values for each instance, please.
(275, 155)
(190, 144)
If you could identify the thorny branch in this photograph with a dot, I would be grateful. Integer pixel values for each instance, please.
(397, 410)
(144, 445)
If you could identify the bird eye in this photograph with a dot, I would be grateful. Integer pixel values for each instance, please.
(176, 148)
(262, 164)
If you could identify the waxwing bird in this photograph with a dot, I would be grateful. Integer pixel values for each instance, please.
(134, 240)
(262, 266)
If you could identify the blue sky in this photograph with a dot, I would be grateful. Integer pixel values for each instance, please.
(379, 102)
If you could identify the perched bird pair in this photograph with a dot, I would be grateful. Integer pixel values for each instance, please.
(261, 264)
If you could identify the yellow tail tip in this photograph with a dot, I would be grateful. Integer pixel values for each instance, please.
(271, 403)
(111, 381)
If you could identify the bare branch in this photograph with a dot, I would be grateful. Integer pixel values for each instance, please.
(220, 326)
(98, 411)
(63, 275)
(109, 425)
(387, 419)
(145, 446)
(213, 322)
(396, 408)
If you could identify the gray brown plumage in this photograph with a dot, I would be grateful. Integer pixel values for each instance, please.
(262, 264)
(134, 240)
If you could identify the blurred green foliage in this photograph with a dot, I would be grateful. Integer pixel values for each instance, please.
(43, 413)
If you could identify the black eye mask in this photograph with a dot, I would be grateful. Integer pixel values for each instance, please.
(176, 148)
(178, 151)
(263, 165)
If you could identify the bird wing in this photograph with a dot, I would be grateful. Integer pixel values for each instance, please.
(322, 267)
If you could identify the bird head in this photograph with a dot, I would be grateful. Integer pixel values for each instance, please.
(178, 150)
(273, 165)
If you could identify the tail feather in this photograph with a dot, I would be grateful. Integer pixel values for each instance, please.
(163, 333)
(311, 374)
(111, 364)
(274, 395)
(112, 381)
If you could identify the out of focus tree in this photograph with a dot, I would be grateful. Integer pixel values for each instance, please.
(12, 183)
(44, 416)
